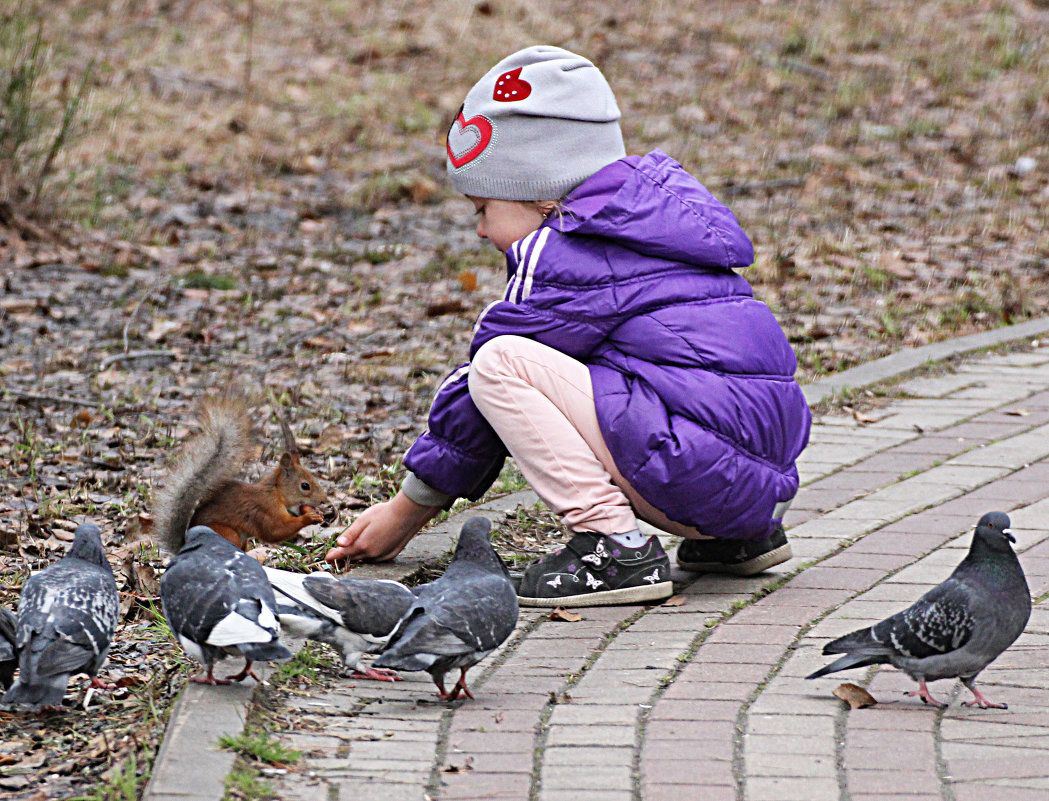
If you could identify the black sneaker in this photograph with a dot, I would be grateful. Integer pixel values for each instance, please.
(740, 558)
(595, 570)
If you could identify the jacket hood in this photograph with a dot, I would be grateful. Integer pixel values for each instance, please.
(652, 205)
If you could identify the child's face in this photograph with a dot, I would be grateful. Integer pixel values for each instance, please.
(503, 222)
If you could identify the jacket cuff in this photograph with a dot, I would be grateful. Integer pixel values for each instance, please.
(422, 493)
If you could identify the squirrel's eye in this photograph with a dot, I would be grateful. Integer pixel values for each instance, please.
(305, 486)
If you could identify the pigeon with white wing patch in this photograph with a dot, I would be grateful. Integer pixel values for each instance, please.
(958, 627)
(219, 603)
(354, 615)
(67, 615)
(460, 618)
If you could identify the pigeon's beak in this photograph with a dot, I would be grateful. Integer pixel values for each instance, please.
(1008, 534)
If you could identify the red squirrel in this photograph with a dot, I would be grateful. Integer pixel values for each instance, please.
(202, 488)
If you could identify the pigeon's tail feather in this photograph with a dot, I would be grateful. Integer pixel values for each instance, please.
(849, 661)
(49, 692)
(854, 641)
(295, 622)
(392, 659)
(265, 652)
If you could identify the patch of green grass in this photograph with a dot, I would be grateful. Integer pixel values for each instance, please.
(202, 280)
(303, 668)
(245, 784)
(259, 746)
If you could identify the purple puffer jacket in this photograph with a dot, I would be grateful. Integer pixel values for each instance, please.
(693, 378)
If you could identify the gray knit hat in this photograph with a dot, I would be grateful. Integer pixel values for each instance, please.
(541, 122)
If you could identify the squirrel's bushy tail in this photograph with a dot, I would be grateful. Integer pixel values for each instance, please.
(205, 462)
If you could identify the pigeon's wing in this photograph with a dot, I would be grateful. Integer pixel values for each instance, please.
(74, 640)
(939, 622)
(365, 606)
(460, 619)
(195, 600)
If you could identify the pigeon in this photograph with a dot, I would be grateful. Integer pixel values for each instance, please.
(66, 619)
(958, 627)
(8, 652)
(218, 603)
(355, 615)
(460, 618)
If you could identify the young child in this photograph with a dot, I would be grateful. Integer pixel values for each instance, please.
(627, 369)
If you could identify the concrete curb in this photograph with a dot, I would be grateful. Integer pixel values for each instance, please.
(191, 767)
(904, 361)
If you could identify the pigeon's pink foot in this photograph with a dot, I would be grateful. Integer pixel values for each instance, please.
(209, 678)
(376, 674)
(460, 686)
(923, 693)
(98, 684)
(980, 700)
(244, 673)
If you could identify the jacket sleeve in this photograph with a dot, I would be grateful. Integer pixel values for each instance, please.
(564, 315)
(459, 454)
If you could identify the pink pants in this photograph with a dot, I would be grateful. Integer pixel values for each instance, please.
(541, 404)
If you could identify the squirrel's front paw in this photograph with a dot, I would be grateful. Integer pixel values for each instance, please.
(312, 515)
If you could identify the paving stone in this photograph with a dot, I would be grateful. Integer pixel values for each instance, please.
(602, 778)
(560, 794)
(588, 756)
(592, 734)
(894, 780)
(772, 764)
(791, 788)
(695, 771)
(672, 792)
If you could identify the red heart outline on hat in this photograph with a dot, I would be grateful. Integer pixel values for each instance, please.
(511, 87)
(460, 126)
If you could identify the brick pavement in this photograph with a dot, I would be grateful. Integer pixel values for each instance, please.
(707, 699)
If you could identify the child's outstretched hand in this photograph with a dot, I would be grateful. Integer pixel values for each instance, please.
(381, 531)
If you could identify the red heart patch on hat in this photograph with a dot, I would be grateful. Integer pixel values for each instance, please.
(509, 87)
(468, 138)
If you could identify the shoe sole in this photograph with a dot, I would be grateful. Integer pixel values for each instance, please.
(626, 595)
(751, 567)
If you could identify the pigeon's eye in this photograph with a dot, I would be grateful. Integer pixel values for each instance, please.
(305, 486)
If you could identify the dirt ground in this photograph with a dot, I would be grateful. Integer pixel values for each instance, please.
(256, 197)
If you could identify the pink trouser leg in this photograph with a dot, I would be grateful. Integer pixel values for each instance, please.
(541, 404)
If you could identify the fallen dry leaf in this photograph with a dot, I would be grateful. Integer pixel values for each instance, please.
(674, 600)
(854, 695)
(468, 280)
(564, 615)
(1018, 412)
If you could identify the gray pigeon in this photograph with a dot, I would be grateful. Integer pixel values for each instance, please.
(218, 603)
(460, 618)
(67, 615)
(958, 627)
(8, 652)
(355, 615)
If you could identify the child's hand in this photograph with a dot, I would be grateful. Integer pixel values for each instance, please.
(382, 531)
